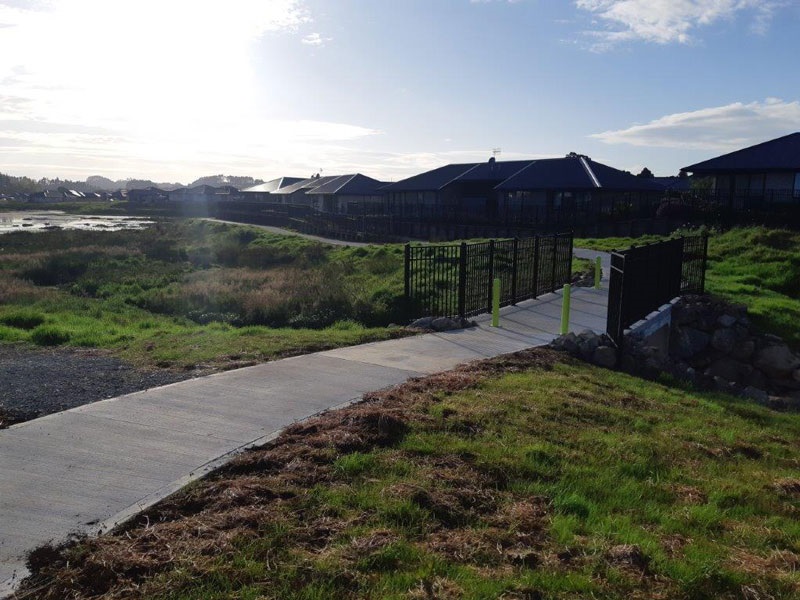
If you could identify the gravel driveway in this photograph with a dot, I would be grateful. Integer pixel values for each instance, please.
(39, 381)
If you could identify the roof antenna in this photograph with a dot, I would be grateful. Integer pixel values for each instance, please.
(496, 152)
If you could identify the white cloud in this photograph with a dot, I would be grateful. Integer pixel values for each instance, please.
(315, 39)
(717, 128)
(667, 21)
(147, 87)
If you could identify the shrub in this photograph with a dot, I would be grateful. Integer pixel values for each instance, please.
(22, 319)
(49, 335)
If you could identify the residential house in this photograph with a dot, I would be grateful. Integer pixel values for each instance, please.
(297, 193)
(767, 172)
(349, 194)
(149, 196)
(262, 192)
(532, 191)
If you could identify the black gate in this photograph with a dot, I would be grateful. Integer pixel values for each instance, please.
(643, 278)
(456, 279)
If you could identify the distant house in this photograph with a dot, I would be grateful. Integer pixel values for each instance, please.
(769, 171)
(348, 194)
(203, 194)
(148, 196)
(297, 193)
(527, 190)
(46, 197)
(262, 191)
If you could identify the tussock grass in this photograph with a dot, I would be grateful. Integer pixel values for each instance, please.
(526, 476)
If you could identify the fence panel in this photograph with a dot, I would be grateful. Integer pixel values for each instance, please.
(644, 278)
(456, 279)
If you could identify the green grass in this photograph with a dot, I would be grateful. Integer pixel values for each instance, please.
(523, 485)
(186, 293)
(755, 266)
(197, 292)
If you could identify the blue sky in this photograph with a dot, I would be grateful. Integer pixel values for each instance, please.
(175, 89)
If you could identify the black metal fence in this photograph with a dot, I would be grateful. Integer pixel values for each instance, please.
(643, 278)
(456, 279)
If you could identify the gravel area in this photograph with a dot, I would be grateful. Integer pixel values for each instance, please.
(39, 381)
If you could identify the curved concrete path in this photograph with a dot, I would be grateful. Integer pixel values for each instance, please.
(84, 470)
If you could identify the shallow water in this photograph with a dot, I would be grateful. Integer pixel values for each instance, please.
(51, 220)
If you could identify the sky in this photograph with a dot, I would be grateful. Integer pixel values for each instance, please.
(172, 90)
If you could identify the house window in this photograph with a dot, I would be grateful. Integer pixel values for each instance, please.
(797, 185)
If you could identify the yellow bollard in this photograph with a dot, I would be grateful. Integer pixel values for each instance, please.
(496, 303)
(565, 310)
(597, 270)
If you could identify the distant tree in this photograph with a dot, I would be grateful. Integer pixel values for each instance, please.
(576, 155)
(683, 174)
(702, 184)
(10, 184)
(646, 174)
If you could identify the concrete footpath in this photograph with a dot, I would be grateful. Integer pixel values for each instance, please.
(86, 469)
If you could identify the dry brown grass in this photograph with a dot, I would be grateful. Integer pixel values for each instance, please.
(198, 526)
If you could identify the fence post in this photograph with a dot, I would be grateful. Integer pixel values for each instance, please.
(565, 309)
(555, 257)
(462, 281)
(514, 261)
(407, 271)
(536, 266)
(705, 263)
(496, 302)
(491, 275)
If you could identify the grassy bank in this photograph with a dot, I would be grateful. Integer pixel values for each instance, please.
(755, 266)
(521, 477)
(184, 293)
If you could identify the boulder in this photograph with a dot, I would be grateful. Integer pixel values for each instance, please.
(688, 341)
(796, 375)
(726, 321)
(724, 339)
(423, 323)
(588, 341)
(756, 394)
(445, 324)
(777, 362)
(605, 356)
(726, 368)
(743, 350)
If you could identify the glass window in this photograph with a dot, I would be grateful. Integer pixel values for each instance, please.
(797, 185)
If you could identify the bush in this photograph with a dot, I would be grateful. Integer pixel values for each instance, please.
(49, 335)
(22, 319)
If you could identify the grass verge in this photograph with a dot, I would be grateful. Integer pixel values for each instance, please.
(526, 476)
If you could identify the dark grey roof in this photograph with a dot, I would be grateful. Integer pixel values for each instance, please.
(780, 154)
(305, 185)
(354, 185)
(494, 170)
(574, 173)
(273, 184)
(430, 180)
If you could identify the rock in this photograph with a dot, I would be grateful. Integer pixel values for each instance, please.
(726, 368)
(445, 324)
(588, 341)
(724, 339)
(777, 362)
(796, 375)
(605, 356)
(687, 341)
(423, 323)
(772, 340)
(743, 350)
(723, 385)
(726, 321)
(756, 394)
